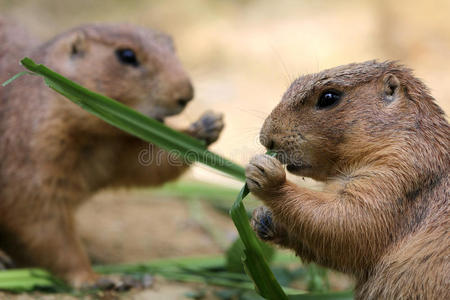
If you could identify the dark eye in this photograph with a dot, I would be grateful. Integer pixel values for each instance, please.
(328, 99)
(127, 56)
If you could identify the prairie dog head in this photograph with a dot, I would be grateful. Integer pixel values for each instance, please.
(340, 117)
(133, 65)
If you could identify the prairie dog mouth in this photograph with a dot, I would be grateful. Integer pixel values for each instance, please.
(293, 165)
(292, 162)
(297, 168)
(159, 119)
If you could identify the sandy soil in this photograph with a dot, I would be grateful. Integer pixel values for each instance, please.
(136, 226)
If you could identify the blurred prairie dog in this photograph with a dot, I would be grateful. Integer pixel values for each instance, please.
(374, 135)
(55, 155)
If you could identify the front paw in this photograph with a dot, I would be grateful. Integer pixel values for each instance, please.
(265, 174)
(208, 127)
(5, 262)
(262, 223)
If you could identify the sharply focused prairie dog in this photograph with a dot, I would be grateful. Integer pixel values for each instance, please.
(55, 155)
(374, 135)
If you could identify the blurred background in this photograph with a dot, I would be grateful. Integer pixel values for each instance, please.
(242, 56)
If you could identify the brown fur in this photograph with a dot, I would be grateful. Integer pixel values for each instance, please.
(55, 155)
(383, 152)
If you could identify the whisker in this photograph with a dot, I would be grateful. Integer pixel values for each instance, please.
(253, 112)
(287, 74)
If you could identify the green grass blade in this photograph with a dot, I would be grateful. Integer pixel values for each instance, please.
(20, 280)
(15, 77)
(254, 261)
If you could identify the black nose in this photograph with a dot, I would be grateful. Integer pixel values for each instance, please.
(183, 101)
(186, 95)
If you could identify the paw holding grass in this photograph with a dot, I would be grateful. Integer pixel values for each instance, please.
(208, 127)
(265, 176)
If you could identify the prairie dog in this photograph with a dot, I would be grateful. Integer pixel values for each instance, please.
(373, 133)
(56, 155)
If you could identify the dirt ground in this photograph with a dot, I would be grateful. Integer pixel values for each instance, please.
(132, 226)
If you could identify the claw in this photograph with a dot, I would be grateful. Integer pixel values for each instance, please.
(5, 262)
(262, 223)
(208, 127)
(265, 174)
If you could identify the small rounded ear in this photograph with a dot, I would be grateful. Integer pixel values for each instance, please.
(391, 86)
(165, 40)
(72, 44)
(78, 44)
